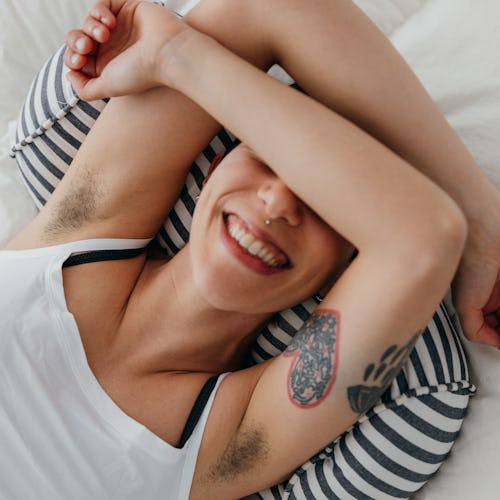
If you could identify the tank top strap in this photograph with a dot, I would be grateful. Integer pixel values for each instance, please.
(197, 409)
(98, 250)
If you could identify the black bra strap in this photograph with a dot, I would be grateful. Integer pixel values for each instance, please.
(197, 410)
(102, 255)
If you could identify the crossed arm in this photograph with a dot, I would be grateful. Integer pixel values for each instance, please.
(288, 130)
(409, 233)
(341, 59)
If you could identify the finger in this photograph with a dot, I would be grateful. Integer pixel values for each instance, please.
(88, 89)
(79, 42)
(79, 62)
(489, 336)
(494, 300)
(476, 329)
(115, 5)
(96, 30)
(73, 60)
(101, 12)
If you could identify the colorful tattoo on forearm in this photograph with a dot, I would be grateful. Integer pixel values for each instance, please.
(314, 359)
(378, 376)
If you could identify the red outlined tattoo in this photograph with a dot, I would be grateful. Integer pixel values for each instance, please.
(314, 353)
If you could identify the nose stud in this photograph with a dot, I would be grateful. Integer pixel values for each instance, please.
(267, 222)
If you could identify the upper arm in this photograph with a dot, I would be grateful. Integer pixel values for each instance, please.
(335, 369)
(128, 172)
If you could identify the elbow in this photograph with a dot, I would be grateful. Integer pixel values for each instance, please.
(454, 232)
(423, 259)
(448, 231)
(441, 241)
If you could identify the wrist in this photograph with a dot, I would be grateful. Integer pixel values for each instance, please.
(181, 58)
(481, 206)
(484, 225)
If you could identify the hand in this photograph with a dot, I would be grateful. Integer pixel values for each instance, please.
(118, 50)
(476, 289)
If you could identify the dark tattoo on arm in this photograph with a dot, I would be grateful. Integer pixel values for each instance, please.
(314, 359)
(378, 376)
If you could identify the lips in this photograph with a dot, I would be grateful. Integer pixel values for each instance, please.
(255, 244)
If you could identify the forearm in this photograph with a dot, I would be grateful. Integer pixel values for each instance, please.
(324, 158)
(341, 58)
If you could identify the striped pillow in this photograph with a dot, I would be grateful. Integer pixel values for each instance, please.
(393, 450)
(52, 126)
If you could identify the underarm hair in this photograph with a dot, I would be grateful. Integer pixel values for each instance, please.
(247, 450)
(77, 206)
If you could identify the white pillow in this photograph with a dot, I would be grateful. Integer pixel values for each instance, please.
(454, 47)
(389, 15)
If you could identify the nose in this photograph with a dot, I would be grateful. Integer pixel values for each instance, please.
(280, 202)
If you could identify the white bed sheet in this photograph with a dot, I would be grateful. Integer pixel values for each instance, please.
(453, 46)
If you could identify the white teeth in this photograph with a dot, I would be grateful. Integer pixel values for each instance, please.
(246, 240)
(258, 248)
(263, 254)
(255, 248)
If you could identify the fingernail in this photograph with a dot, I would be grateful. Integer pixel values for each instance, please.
(97, 32)
(80, 43)
(74, 58)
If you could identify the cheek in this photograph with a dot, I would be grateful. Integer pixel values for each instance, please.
(219, 280)
(330, 254)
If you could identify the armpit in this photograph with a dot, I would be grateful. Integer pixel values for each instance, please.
(76, 206)
(248, 449)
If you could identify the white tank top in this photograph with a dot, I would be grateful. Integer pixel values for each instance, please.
(62, 437)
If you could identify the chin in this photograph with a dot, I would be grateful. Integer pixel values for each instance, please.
(229, 296)
(219, 292)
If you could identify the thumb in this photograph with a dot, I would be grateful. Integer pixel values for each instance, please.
(476, 329)
(487, 335)
(87, 88)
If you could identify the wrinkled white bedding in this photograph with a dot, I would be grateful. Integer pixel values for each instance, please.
(453, 46)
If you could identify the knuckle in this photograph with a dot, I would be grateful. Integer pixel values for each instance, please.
(89, 23)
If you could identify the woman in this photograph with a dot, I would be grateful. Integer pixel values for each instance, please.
(135, 363)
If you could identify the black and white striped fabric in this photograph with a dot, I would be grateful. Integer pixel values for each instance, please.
(393, 450)
(390, 452)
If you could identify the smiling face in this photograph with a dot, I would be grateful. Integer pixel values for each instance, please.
(239, 262)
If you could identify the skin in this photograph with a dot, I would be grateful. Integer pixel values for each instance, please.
(373, 100)
(150, 348)
(243, 186)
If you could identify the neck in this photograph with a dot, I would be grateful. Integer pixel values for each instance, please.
(178, 329)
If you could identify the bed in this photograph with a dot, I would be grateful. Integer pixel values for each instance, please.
(452, 45)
